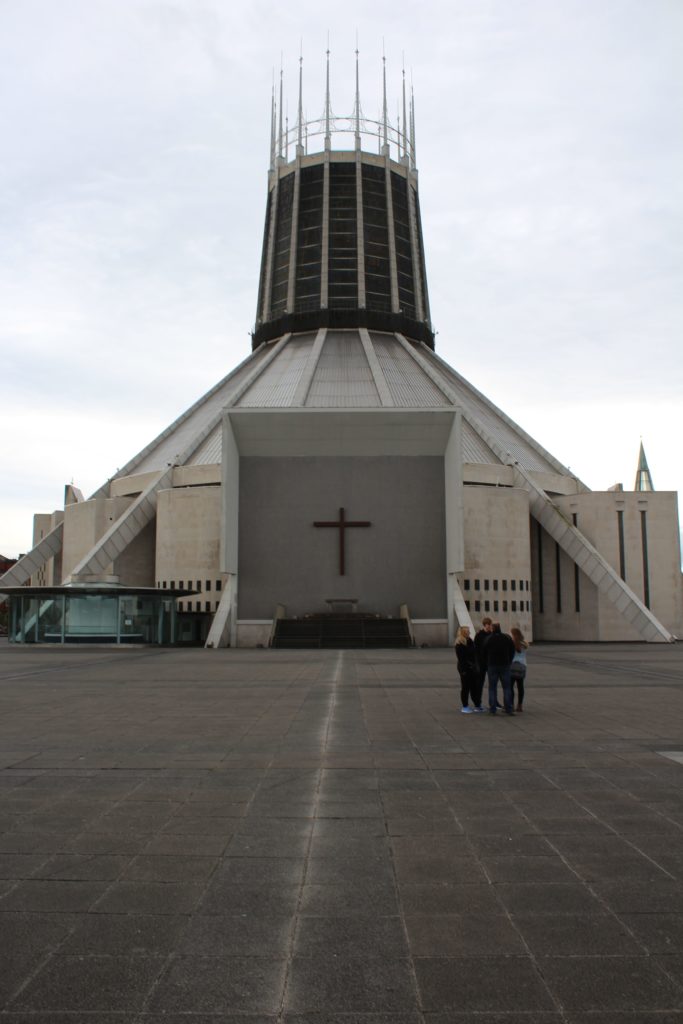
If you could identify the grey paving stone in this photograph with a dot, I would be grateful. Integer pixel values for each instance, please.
(91, 983)
(220, 985)
(339, 984)
(349, 900)
(51, 896)
(658, 933)
(632, 1017)
(547, 898)
(610, 983)
(125, 935)
(351, 937)
(260, 935)
(226, 899)
(575, 934)
(168, 868)
(150, 898)
(457, 984)
(80, 867)
(461, 935)
(349, 867)
(449, 899)
(20, 865)
(527, 869)
(641, 897)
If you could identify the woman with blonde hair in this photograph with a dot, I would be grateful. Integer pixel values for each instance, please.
(518, 666)
(470, 686)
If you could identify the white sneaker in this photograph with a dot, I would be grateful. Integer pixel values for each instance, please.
(467, 711)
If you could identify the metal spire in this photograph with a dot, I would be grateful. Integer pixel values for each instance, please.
(356, 112)
(300, 114)
(279, 146)
(412, 126)
(405, 121)
(328, 108)
(272, 124)
(385, 116)
(643, 476)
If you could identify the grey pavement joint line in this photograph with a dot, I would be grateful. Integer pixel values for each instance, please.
(325, 728)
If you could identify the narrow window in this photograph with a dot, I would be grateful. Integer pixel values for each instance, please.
(539, 546)
(505, 584)
(208, 585)
(477, 584)
(513, 584)
(514, 606)
(486, 584)
(199, 585)
(558, 579)
(646, 567)
(219, 584)
(495, 606)
(495, 584)
(622, 548)
(181, 585)
(505, 606)
(467, 605)
(577, 590)
(477, 606)
(487, 606)
(207, 606)
(172, 584)
(467, 584)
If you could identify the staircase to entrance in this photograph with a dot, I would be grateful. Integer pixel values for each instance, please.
(335, 631)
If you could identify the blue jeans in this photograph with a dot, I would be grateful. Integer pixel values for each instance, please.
(502, 673)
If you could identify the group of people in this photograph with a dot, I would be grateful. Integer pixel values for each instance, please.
(500, 656)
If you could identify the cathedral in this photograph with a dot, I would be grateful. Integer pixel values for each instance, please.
(344, 486)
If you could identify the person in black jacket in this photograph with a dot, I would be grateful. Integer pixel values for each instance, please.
(499, 650)
(470, 686)
(480, 638)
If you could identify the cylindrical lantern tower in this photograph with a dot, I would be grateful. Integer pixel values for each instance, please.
(342, 243)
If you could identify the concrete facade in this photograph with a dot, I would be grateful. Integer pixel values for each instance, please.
(188, 532)
(568, 606)
(496, 580)
(284, 559)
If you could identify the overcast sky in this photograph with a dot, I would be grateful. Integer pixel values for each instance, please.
(134, 146)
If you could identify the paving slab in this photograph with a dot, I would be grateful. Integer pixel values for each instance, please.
(320, 837)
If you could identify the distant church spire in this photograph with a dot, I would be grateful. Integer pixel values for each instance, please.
(643, 477)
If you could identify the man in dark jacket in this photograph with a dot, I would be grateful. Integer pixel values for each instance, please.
(479, 640)
(499, 650)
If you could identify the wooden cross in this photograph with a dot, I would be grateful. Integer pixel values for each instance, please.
(342, 525)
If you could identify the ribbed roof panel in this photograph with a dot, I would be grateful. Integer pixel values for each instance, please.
(343, 378)
(173, 441)
(474, 449)
(408, 384)
(210, 450)
(275, 387)
(507, 434)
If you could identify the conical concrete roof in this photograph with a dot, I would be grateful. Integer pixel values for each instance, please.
(346, 369)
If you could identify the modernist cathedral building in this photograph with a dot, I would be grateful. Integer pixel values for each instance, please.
(344, 484)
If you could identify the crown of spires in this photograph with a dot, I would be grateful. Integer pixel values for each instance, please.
(398, 136)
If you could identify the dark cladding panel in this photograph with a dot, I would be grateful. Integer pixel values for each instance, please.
(376, 234)
(283, 238)
(421, 255)
(404, 256)
(264, 259)
(309, 239)
(343, 253)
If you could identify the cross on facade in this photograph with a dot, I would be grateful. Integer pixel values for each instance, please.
(342, 525)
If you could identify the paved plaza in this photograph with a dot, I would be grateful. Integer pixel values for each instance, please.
(320, 837)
